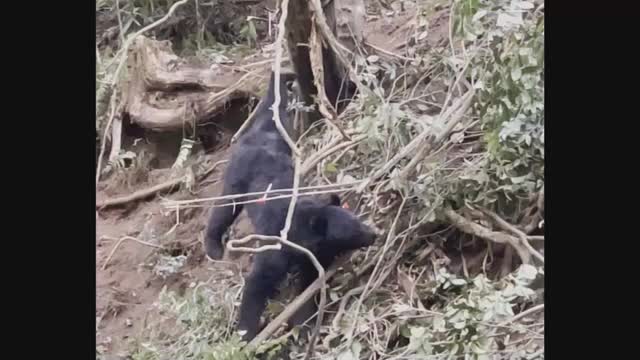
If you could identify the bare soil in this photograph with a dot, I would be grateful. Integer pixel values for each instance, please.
(127, 288)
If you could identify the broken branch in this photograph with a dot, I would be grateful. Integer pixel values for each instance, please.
(508, 227)
(480, 231)
(145, 193)
(115, 247)
(325, 107)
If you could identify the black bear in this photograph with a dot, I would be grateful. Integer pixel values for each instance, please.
(261, 158)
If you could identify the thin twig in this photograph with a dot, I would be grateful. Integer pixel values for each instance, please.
(276, 86)
(507, 261)
(535, 219)
(317, 68)
(336, 46)
(116, 139)
(141, 194)
(343, 304)
(261, 200)
(462, 104)
(130, 40)
(121, 32)
(104, 136)
(523, 314)
(210, 170)
(340, 187)
(245, 124)
(390, 239)
(388, 52)
(144, 193)
(508, 227)
(480, 231)
(115, 247)
(311, 162)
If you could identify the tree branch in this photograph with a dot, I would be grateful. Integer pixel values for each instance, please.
(508, 227)
(480, 231)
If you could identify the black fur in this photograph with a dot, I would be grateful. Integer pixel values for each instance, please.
(261, 157)
(339, 90)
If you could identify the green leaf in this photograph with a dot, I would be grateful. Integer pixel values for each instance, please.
(346, 355)
(516, 73)
(508, 21)
(524, 5)
(519, 179)
(405, 331)
(527, 272)
(439, 324)
(479, 15)
(373, 58)
(427, 348)
(418, 331)
(460, 324)
(331, 168)
(356, 348)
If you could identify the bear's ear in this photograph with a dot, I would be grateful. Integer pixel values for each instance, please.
(334, 200)
(319, 224)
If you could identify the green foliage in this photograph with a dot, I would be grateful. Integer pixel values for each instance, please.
(168, 265)
(248, 32)
(465, 325)
(508, 71)
(201, 327)
(351, 353)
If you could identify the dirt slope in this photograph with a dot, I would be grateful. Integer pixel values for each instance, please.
(127, 288)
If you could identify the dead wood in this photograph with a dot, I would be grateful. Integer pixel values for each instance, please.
(162, 87)
(169, 185)
(335, 16)
(482, 232)
(508, 227)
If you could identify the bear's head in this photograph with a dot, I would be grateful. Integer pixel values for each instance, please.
(324, 227)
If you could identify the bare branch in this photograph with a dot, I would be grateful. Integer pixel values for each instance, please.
(462, 104)
(284, 6)
(338, 188)
(325, 107)
(115, 247)
(144, 193)
(104, 136)
(506, 226)
(245, 124)
(480, 231)
(312, 161)
(523, 314)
